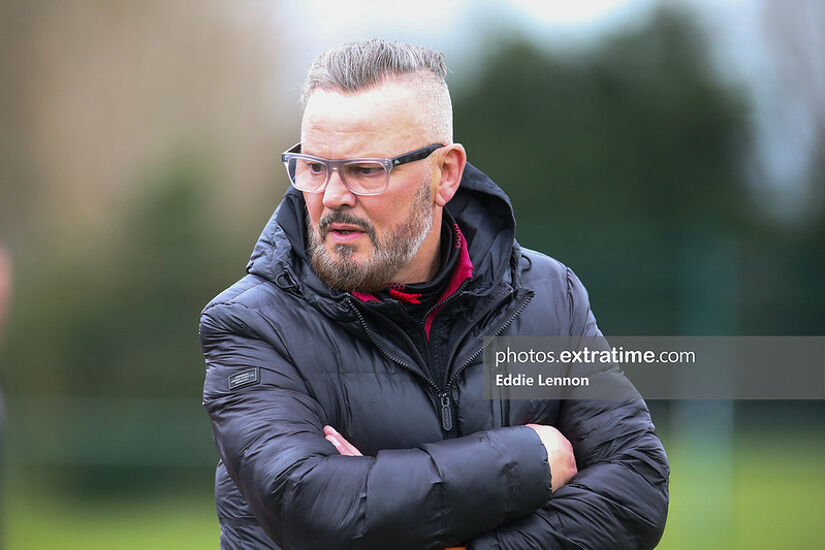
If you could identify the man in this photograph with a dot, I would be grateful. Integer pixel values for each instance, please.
(344, 375)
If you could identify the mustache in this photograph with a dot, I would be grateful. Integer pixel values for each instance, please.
(345, 218)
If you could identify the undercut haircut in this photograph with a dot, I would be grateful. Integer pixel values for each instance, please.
(359, 66)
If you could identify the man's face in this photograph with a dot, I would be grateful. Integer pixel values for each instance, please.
(361, 242)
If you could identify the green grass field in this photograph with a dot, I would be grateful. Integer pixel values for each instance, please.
(66, 524)
(772, 498)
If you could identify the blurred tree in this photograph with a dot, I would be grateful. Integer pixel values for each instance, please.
(616, 160)
(123, 322)
(103, 355)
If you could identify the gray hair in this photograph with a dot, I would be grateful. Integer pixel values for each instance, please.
(357, 66)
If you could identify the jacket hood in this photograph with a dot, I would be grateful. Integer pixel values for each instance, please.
(482, 210)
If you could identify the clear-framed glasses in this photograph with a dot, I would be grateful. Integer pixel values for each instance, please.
(362, 176)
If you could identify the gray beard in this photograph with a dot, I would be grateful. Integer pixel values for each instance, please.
(389, 255)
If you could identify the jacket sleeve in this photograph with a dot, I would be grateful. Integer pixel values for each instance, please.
(268, 431)
(619, 498)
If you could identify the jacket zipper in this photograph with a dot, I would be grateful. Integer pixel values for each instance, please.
(525, 302)
(444, 302)
(446, 403)
(443, 395)
(446, 412)
(390, 356)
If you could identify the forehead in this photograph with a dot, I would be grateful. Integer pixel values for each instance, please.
(379, 121)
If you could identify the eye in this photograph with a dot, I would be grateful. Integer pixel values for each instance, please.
(367, 170)
(315, 167)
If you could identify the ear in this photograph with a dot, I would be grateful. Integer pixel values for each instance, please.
(450, 168)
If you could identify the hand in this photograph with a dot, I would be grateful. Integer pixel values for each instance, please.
(344, 447)
(559, 455)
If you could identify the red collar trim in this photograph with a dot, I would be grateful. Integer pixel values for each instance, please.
(463, 271)
(408, 297)
(365, 296)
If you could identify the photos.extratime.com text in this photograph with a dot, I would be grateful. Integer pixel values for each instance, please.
(655, 367)
(587, 356)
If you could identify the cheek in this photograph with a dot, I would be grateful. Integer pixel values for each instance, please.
(386, 216)
(314, 206)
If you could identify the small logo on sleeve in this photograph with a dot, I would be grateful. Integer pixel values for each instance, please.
(244, 378)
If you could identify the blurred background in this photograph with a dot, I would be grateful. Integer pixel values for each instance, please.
(671, 152)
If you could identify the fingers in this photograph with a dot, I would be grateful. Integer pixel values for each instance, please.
(341, 444)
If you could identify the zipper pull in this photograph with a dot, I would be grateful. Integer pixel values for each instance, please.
(446, 413)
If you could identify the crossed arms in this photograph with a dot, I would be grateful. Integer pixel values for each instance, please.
(560, 455)
(489, 489)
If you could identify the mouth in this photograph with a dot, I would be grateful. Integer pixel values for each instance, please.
(343, 233)
(344, 228)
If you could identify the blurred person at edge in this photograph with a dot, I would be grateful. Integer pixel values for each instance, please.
(5, 298)
(344, 371)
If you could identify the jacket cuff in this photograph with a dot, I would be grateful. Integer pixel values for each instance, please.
(528, 471)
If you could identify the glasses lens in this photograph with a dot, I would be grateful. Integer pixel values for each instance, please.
(366, 178)
(307, 175)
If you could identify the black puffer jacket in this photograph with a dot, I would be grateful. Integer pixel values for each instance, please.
(286, 355)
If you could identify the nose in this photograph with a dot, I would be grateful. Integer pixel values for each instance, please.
(336, 193)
